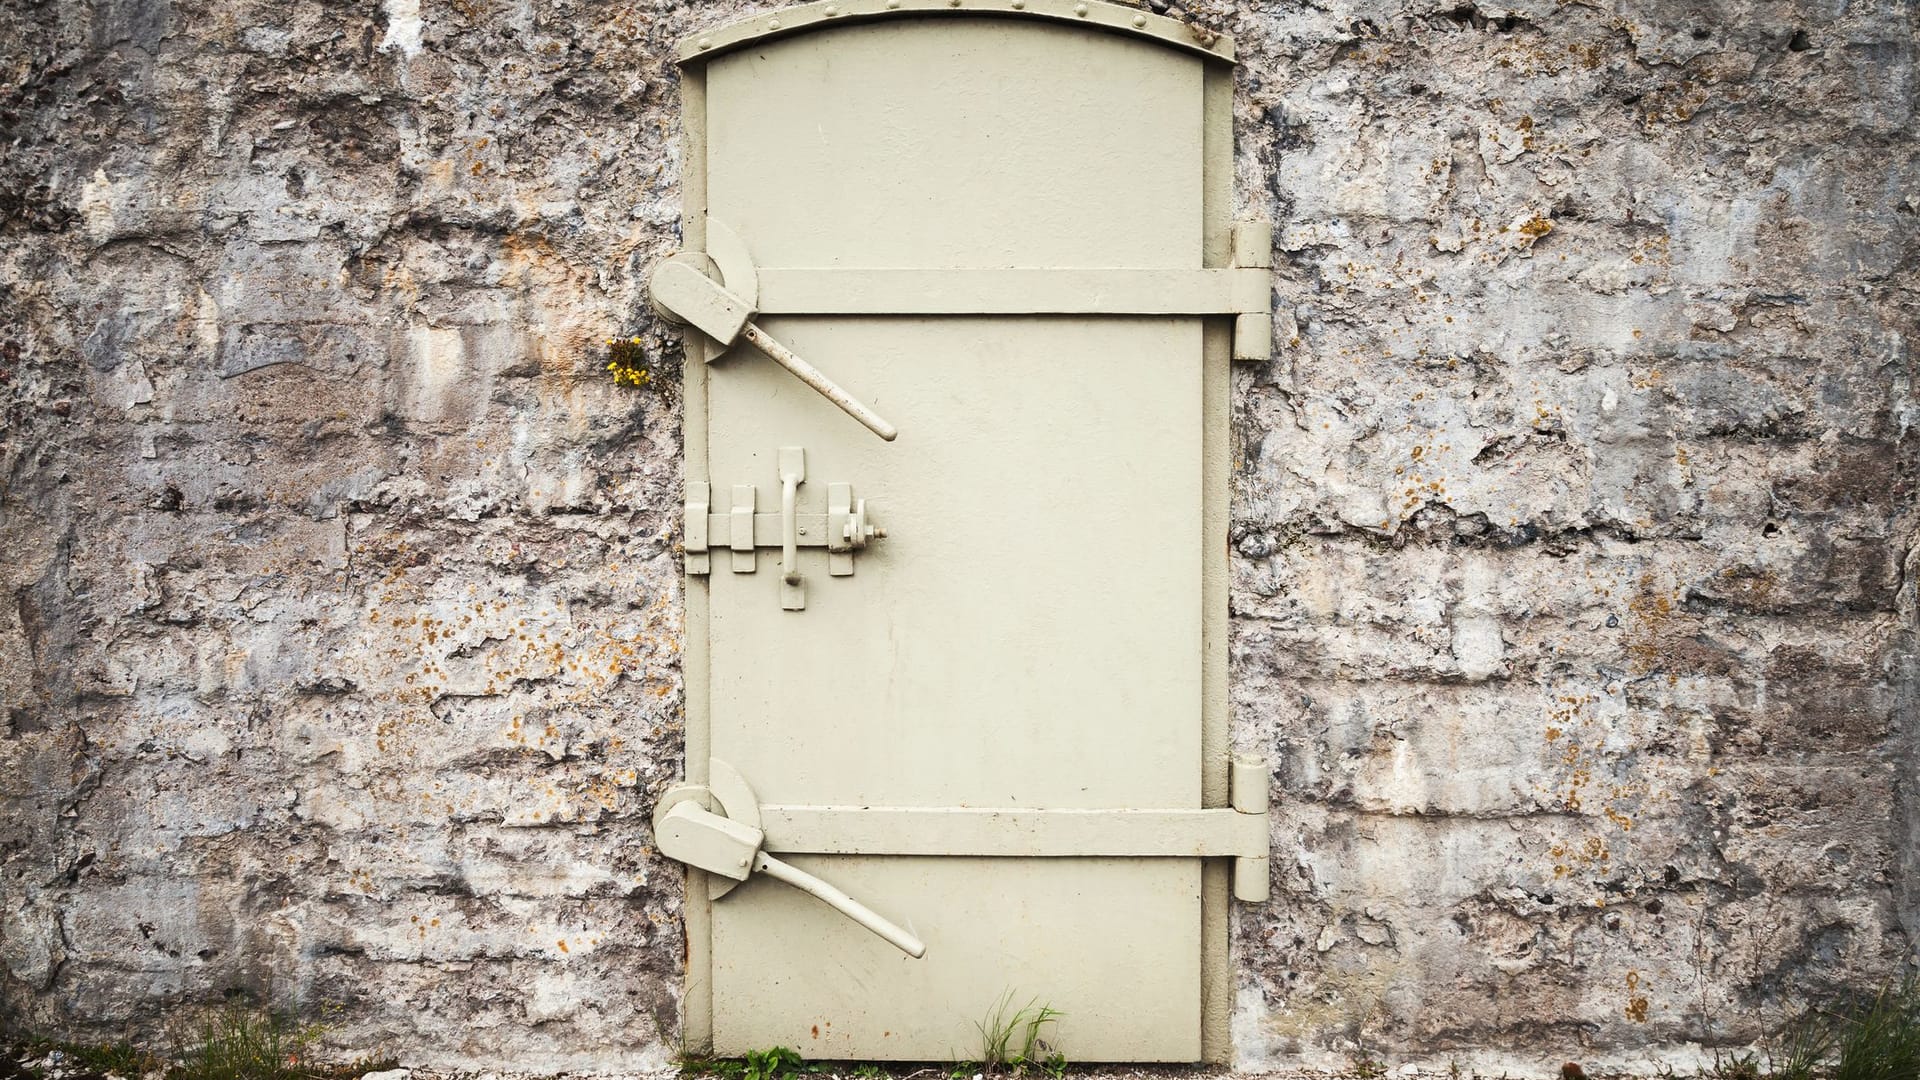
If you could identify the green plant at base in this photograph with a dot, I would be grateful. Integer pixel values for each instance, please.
(1879, 1039)
(241, 1042)
(1728, 1067)
(1873, 1037)
(1796, 1051)
(233, 1042)
(120, 1058)
(237, 1042)
(776, 1063)
(1013, 1040)
(693, 1065)
(1365, 1066)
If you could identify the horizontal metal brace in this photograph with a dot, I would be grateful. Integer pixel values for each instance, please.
(1240, 833)
(1024, 291)
(856, 830)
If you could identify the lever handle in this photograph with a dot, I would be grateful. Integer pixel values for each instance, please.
(813, 377)
(793, 473)
(687, 294)
(764, 863)
(718, 845)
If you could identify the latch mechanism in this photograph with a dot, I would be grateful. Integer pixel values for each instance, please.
(842, 530)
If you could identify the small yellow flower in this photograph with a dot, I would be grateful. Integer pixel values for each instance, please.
(626, 360)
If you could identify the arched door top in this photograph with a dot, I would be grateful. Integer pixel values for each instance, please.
(1099, 14)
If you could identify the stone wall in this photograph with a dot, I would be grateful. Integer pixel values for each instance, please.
(1575, 526)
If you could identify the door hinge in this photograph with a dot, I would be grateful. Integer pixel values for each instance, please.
(741, 529)
(1253, 324)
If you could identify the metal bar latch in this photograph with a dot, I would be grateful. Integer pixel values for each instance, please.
(842, 530)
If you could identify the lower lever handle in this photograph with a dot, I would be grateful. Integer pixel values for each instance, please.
(701, 838)
(846, 905)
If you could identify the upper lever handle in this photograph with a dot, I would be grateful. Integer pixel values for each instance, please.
(686, 293)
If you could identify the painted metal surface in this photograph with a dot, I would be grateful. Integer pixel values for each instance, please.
(1008, 729)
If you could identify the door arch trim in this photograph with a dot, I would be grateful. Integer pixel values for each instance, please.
(1100, 14)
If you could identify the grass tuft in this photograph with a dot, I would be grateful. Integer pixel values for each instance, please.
(1879, 1038)
(236, 1042)
(232, 1042)
(1866, 1037)
(1014, 1040)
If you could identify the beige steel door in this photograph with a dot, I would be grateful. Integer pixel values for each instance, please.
(971, 677)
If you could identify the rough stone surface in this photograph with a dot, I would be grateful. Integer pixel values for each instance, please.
(1575, 522)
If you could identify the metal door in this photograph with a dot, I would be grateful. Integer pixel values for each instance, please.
(971, 676)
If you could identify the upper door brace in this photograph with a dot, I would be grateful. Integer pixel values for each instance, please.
(684, 289)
